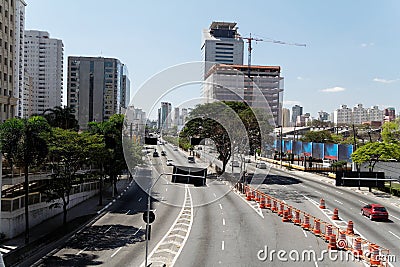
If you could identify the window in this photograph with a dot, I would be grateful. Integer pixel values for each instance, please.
(5, 61)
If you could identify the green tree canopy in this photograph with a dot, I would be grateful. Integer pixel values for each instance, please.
(391, 132)
(374, 152)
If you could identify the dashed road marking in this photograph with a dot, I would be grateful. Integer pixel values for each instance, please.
(394, 234)
(116, 252)
(81, 251)
(223, 245)
(223, 221)
(339, 192)
(395, 217)
(365, 203)
(305, 233)
(341, 203)
(220, 206)
(140, 199)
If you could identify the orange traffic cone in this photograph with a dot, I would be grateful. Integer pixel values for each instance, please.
(335, 215)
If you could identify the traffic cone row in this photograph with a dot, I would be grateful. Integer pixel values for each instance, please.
(334, 243)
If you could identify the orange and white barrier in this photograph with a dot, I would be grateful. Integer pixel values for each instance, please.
(332, 242)
(317, 227)
(262, 202)
(306, 224)
(296, 217)
(350, 228)
(322, 204)
(335, 215)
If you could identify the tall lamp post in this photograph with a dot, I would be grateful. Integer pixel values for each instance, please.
(148, 215)
(280, 145)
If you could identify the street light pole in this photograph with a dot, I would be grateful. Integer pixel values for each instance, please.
(281, 132)
(148, 215)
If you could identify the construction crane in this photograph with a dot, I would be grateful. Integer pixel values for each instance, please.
(250, 39)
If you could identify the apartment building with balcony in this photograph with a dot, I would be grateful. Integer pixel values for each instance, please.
(43, 61)
(97, 88)
(231, 83)
(8, 96)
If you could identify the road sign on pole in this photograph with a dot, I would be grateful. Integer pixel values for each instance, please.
(151, 218)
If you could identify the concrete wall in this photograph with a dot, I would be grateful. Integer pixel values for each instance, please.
(13, 223)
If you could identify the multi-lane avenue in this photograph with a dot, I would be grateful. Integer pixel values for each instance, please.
(214, 225)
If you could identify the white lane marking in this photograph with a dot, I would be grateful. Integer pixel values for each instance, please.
(116, 252)
(365, 203)
(140, 199)
(341, 203)
(127, 212)
(215, 195)
(303, 186)
(317, 192)
(339, 192)
(220, 206)
(137, 230)
(223, 245)
(223, 221)
(107, 229)
(81, 251)
(395, 217)
(394, 234)
(305, 233)
(166, 189)
(323, 186)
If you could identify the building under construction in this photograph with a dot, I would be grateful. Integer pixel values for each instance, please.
(225, 82)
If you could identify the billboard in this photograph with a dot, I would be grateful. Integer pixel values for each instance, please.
(331, 151)
(344, 152)
(287, 146)
(297, 147)
(306, 149)
(318, 150)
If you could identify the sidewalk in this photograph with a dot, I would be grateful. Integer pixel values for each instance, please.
(76, 217)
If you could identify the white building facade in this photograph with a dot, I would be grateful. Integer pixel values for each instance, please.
(19, 69)
(221, 43)
(43, 59)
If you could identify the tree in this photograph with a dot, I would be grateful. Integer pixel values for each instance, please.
(374, 152)
(112, 132)
(23, 143)
(230, 125)
(68, 151)
(391, 132)
(61, 117)
(317, 136)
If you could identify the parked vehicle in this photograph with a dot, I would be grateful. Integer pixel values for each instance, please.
(261, 165)
(155, 154)
(170, 162)
(163, 153)
(375, 211)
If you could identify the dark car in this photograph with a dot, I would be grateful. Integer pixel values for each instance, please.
(163, 153)
(375, 211)
(155, 154)
(191, 159)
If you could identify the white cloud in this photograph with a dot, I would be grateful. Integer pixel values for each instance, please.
(367, 44)
(300, 78)
(333, 89)
(290, 103)
(380, 80)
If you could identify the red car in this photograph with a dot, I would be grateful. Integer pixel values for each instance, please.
(375, 211)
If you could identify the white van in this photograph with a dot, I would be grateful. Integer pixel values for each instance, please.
(326, 163)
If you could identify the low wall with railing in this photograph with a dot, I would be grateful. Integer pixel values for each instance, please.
(13, 212)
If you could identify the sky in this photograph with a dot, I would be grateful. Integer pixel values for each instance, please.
(351, 54)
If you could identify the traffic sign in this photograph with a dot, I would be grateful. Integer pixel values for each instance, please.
(152, 216)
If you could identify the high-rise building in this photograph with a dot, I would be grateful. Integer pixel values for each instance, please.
(390, 114)
(296, 111)
(175, 121)
(360, 114)
(231, 83)
(184, 114)
(375, 114)
(164, 116)
(323, 116)
(19, 69)
(221, 44)
(125, 87)
(94, 88)
(43, 59)
(285, 117)
(343, 115)
(8, 96)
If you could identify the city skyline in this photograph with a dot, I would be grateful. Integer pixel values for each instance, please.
(348, 59)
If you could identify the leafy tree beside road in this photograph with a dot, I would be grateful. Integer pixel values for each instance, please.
(23, 143)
